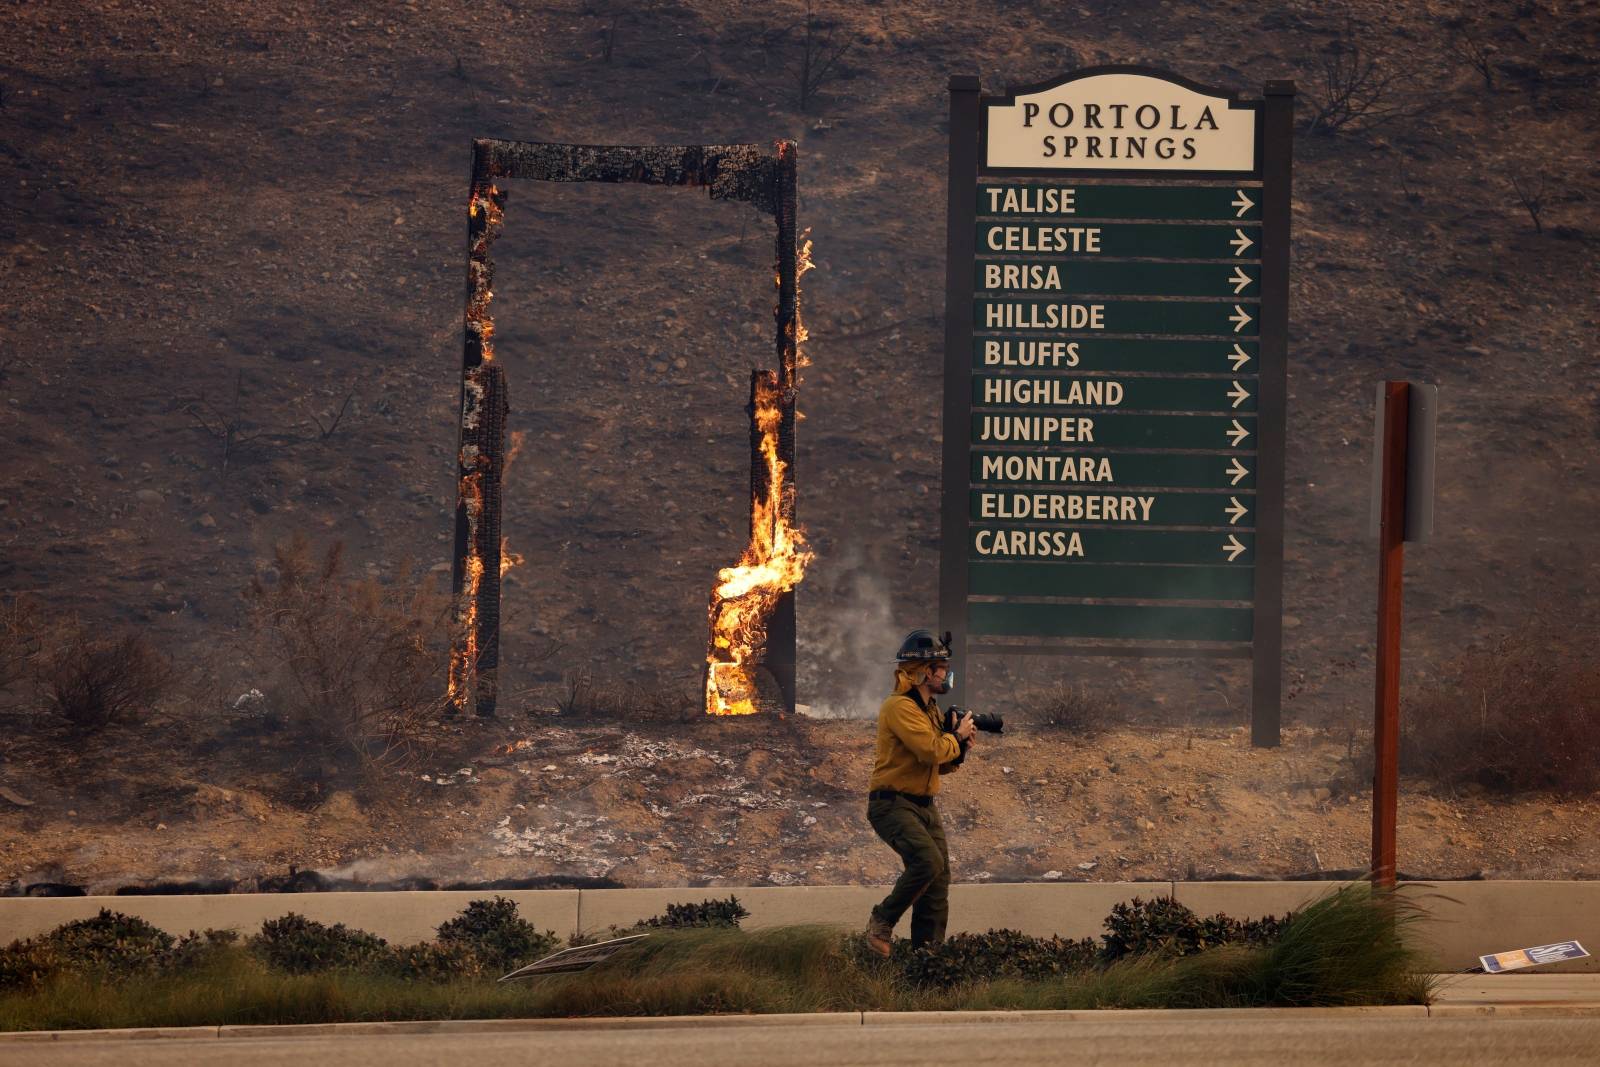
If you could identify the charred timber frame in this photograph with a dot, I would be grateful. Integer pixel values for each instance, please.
(758, 175)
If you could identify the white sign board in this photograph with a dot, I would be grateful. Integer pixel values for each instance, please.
(1120, 122)
(1532, 957)
(580, 958)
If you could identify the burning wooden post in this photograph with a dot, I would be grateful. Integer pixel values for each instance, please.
(475, 573)
(752, 607)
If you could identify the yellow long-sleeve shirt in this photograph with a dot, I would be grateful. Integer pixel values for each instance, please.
(912, 747)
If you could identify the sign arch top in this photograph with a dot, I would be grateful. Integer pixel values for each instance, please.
(1121, 121)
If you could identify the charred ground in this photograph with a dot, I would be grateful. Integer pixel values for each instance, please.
(233, 250)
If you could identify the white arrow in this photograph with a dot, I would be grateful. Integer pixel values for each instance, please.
(1237, 469)
(1238, 433)
(1233, 548)
(1240, 242)
(1240, 318)
(1238, 356)
(1241, 281)
(1238, 394)
(1237, 512)
(1242, 202)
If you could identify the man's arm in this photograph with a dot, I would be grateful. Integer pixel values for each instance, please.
(914, 730)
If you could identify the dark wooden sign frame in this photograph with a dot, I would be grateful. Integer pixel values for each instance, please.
(1273, 157)
(764, 176)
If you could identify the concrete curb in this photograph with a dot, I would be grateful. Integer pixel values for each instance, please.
(838, 1018)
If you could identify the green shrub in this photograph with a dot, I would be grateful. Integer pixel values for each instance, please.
(438, 961)
(25, 965)
(1165, 927)
(967, 958)
(494, 932)
(199, 949)
(111, 944)
(300, 945)
(704, 914)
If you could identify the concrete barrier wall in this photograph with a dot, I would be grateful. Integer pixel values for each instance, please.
(1468, 919)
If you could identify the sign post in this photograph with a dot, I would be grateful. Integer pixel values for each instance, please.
(1116, 330)
(1403, 511)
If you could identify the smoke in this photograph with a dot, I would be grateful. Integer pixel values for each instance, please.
(848, 643)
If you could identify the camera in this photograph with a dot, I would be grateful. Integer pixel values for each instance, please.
(985, 721)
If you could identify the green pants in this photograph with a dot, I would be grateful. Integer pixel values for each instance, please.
(914, 832)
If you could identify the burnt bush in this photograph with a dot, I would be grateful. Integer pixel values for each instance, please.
(354, 667)
(21, 638)
(1522, 715)
(494, 932)
(300, 945)
(95, 681)
(1076, 710)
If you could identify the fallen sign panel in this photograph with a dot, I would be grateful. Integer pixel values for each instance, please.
(1532, 957)
(580, 958)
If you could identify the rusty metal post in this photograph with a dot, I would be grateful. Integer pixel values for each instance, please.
(1391, 565)
(780, 656)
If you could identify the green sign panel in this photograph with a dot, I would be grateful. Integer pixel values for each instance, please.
(1012, 351)
(1058, 392)
(1164, 622)
(1116, 324)
(1149, 508)
(1119, 240)
(1218, 432)
(1227, 202)
(1142, 581)
(1083, 277)
(1231, 318)
(1110, 545)
(1098, 470)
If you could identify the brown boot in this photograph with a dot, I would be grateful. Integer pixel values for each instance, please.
(880, 936)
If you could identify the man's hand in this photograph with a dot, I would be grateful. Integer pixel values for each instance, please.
(966, 729)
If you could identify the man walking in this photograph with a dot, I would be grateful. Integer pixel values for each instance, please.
(913, 750)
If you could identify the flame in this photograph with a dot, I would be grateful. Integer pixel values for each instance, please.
(485, 205)
(463, 659)
(485, 216)
(508, 558)
(518, 439)
(773, 563)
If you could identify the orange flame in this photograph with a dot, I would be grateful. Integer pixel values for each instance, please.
(773, 563)
(484, 209)
(508, 558)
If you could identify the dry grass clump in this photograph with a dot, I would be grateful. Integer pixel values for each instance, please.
(20, 639)
(1076, 710)
(91, 678)
(1522, 715)
(590, 698)
(355, 667)
(96, 681)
